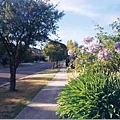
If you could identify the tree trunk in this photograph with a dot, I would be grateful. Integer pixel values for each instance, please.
(14, 63)
(12, 78)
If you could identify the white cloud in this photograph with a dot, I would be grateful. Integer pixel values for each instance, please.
(104, 12)
(79, 7)
(89, 8)
(79, 10)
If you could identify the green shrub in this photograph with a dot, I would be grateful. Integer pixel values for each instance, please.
(90, 96)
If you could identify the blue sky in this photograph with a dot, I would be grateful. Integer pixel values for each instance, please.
(79, 14)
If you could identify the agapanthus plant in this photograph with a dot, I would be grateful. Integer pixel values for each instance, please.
(94, 47)
(117, 47)
(104, 54)
(88, 40)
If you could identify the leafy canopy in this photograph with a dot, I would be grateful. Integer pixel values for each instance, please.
(55, 50)
(22, 23)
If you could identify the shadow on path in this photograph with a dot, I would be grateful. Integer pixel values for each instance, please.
(44, 105)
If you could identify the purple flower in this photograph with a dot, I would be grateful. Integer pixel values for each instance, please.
(88, 40)
(96, 46)
(117, 47)
(104, 54)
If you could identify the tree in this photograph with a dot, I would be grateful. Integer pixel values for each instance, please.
(73, 46)
(2, 50)
(3, 55)
(22, 23)
(56, 51)
(27, 57)
(70, 45)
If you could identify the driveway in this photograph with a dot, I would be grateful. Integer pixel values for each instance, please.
(23, 71)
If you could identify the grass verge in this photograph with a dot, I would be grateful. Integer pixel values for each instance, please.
(11, 103)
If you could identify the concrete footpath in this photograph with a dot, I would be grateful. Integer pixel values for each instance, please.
(44, 104)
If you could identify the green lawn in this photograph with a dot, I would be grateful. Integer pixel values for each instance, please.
(11, 103)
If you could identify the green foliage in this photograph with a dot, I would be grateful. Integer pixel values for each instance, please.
(2, 50)
(116, 26)
(56, 51)
(90, 97)
(85, 60)
(3, 55)
(95, 94)
(22, 23)
(72, 46)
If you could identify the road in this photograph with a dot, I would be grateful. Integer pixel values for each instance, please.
(23, 71)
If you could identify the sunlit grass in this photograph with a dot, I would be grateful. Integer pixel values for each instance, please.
(49, 71)
(11, 103)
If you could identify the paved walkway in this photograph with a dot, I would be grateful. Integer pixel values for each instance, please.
(44, 105)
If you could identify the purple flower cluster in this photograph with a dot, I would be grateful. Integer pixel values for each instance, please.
(117, 47)
(88, 40)
(95, 46)
(104, 54)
